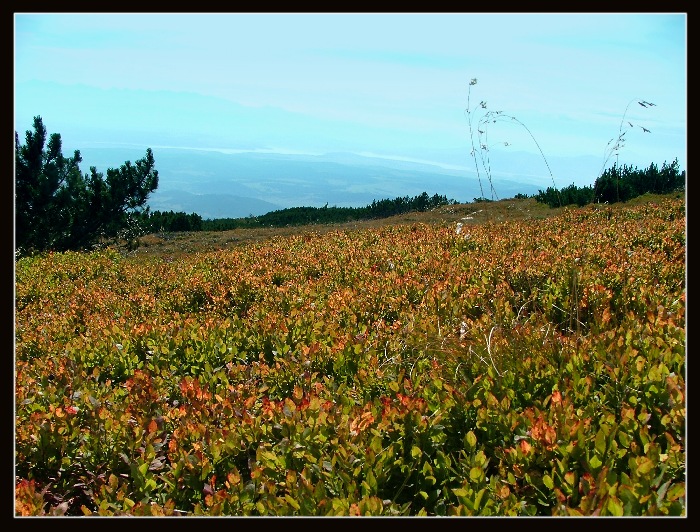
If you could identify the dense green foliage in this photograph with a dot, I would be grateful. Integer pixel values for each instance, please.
(59, 209)
(532, 367)
(170, 221)
(328, 215)
(618, 184)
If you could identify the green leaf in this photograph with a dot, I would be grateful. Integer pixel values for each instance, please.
(624, 439)
(600, 442)
(644, 465)
(460, 492)
(478, 498)
(476, 474)
(372, 482)
(547, 480)
(675, 492)
(614, 507)
(291, 501)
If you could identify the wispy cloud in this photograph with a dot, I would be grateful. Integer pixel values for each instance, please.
(384, 83)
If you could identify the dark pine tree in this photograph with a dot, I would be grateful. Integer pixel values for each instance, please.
(57, 208)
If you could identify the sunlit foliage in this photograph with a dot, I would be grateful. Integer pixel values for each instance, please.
(522, 368)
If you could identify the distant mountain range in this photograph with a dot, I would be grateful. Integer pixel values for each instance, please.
(261, 160)
(236, 185)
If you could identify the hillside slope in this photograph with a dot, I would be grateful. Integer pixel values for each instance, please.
(173, 244)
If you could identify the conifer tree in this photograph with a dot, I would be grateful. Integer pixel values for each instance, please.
(57, 208)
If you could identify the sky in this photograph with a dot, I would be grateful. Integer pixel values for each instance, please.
(397, 85)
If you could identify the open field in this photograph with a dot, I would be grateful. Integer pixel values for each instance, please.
(530, 362)
(174, 244)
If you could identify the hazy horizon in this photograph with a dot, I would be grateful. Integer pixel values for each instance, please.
(390, 86)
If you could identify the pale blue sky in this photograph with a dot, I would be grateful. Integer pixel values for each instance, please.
(390, 84)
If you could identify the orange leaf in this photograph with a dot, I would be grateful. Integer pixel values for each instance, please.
(525, 446)
(556, 397)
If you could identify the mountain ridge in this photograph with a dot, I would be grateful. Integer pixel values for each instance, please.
(215, 184)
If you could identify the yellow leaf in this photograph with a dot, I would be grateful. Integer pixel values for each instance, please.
(291, 501)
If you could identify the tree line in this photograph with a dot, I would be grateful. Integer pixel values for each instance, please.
(158, 221)
(329, 215)
(618, 184)
(57, 208)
